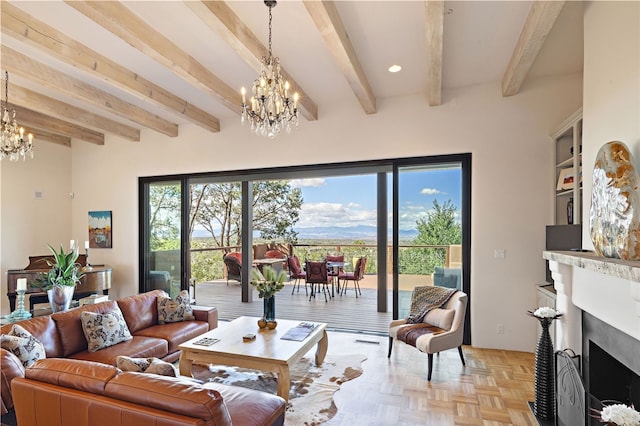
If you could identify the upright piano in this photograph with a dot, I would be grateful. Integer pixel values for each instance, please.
(97, 279)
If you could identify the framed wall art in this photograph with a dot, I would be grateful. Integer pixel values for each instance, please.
(565, 179)
(100, 227)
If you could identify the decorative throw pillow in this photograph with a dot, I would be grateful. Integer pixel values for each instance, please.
(146, 365)
(175, 310)
(441, 318)
(104, 330)
(22, 344)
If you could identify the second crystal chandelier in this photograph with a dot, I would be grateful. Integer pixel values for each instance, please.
(12, 141)
(270, 109)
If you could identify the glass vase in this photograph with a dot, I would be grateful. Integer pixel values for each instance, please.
(269, 308)
(544, 404)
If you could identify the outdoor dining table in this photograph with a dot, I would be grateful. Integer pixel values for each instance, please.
(275, 263)
(336, 266)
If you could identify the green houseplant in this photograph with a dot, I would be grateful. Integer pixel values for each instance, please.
(268, 283)
(61, 280)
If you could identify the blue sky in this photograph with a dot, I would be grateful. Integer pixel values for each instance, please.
(351, 200)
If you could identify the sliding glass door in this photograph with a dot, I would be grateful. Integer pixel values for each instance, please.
(410, 218)
(431, 228)
(161, 221)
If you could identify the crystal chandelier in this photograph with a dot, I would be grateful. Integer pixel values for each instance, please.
(12, 142)
(270, 109)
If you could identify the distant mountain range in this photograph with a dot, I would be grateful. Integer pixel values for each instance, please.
(358, 232)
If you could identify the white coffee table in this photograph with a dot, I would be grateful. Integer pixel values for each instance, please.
(268, 352)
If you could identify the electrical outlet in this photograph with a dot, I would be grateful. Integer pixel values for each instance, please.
(500, 329)
(499, 253)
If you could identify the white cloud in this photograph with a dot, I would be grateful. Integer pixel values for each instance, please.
(430, 191)
(301, 183)
(335, 214)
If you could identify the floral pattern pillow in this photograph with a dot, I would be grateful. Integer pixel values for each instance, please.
(146, 365)
(175, 310)
(104, 330)
(22, 344)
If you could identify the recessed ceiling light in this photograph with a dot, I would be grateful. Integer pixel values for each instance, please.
(395, 68)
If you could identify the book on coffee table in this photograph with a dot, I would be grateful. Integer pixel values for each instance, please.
(299, 332)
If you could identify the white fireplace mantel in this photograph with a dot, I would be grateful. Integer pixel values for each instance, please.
(608, 289)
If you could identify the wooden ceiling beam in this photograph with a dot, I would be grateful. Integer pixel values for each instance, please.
(29, 118)
(48, 106)
(327, 19)
(434, 23)
(39, 134)
(220, 18)
(23, 26)
(118, 19)
(46, 76)
(540, 21)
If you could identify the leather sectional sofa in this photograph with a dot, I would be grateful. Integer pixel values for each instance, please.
(63, 338)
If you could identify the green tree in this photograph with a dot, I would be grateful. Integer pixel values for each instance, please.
(438, 228)
(217, 207)
(164, 223)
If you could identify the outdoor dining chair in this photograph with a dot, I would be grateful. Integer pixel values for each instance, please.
(355, 276)
(318, 277)
(296, 273)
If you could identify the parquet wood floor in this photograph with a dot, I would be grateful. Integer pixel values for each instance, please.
(492, 390)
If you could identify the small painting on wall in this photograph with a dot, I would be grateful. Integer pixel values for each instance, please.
(100, 229)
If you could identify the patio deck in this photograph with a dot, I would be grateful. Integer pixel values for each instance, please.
(346, 312)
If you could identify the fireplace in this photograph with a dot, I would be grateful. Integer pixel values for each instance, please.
(600, 300)
(610, 365)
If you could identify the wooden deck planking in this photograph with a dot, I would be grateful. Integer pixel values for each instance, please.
(344, 312)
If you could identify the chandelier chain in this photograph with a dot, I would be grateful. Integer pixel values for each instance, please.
(270, 19)
(6, 89)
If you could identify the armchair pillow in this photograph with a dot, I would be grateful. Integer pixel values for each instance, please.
(104, 330)
(175, 310)
(22, 344)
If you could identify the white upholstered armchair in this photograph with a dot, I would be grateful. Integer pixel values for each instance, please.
(446, 332)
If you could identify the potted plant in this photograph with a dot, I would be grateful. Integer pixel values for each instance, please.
(268, 283)
(61, 280)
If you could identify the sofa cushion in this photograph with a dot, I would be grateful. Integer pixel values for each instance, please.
(74, 374)
(44, 329)
(175, 310)
(69, 326)
(175, 333)
(104, 330)
(170, 394)
(138, 347)
(266, 408)
(22, 344)
(146, 365)
(141, 310)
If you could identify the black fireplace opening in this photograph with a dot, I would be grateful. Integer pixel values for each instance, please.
(610, 379)
(611, 366)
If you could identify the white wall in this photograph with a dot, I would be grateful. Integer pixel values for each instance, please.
(28, 224)
(611, 86)
(512, 189)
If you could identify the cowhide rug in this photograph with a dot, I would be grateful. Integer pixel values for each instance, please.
(312, 388)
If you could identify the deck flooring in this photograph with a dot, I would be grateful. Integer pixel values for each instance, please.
(342, 312)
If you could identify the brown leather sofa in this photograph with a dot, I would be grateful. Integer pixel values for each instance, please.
(62, 336)
(60, 392)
